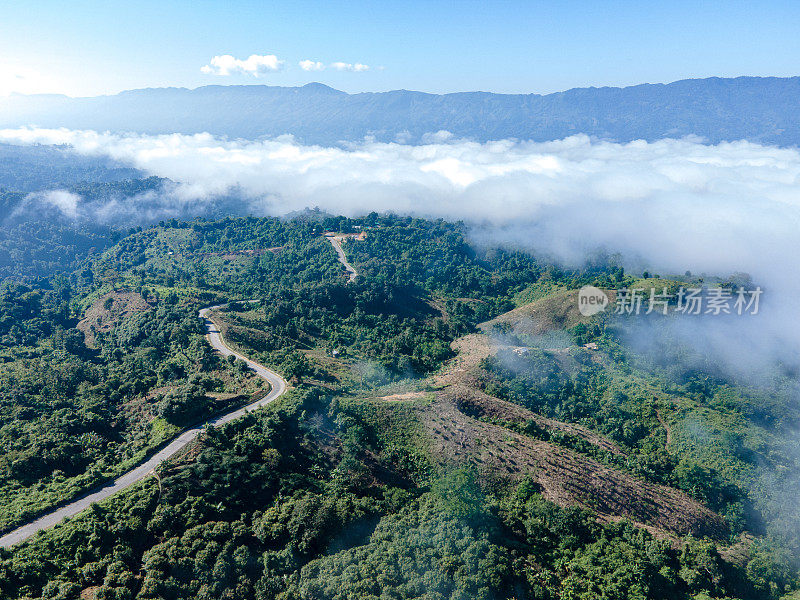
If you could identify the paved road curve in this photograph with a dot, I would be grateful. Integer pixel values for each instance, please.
(278, 387)
(337, 244)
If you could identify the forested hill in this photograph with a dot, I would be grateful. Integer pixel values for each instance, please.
(35, 168)
(763, 110)
(455, 429)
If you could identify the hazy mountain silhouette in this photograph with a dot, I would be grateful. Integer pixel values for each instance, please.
(765, 110)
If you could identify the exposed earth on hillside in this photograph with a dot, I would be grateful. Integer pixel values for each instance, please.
(465, 426)
(108, 311)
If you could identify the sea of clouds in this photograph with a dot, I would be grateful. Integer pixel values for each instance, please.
(677, 204)
(669, 206)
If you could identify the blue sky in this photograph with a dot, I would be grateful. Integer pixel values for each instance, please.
(92, 47)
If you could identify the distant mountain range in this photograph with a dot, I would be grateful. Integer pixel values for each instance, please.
(765, 110)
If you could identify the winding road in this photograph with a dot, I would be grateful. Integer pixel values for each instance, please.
(214, 337)
(336, 240)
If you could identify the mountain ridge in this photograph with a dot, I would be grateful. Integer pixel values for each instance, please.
(759, 109)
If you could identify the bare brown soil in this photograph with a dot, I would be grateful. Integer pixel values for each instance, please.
(459, 432)
(470, 351)
(101, 319)
(361, 235)
(90, 593)
(565, 477)
(559, 311)
(666, 427)
(480, 405)
(405, 396)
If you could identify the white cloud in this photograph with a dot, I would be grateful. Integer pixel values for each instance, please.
(438, 137)
(65, 201)
(311, 65)
(255, 65)
(678, 204)
(19, 79)
(355, 68)
(669, 205)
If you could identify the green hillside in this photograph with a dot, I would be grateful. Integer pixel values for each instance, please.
(454, 428)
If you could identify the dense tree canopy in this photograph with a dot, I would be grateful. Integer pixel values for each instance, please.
(329, 493)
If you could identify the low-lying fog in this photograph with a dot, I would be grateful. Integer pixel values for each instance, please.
(669, 206)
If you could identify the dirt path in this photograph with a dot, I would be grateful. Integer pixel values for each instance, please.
(665, 425)
(336, 241)
(214, 337)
